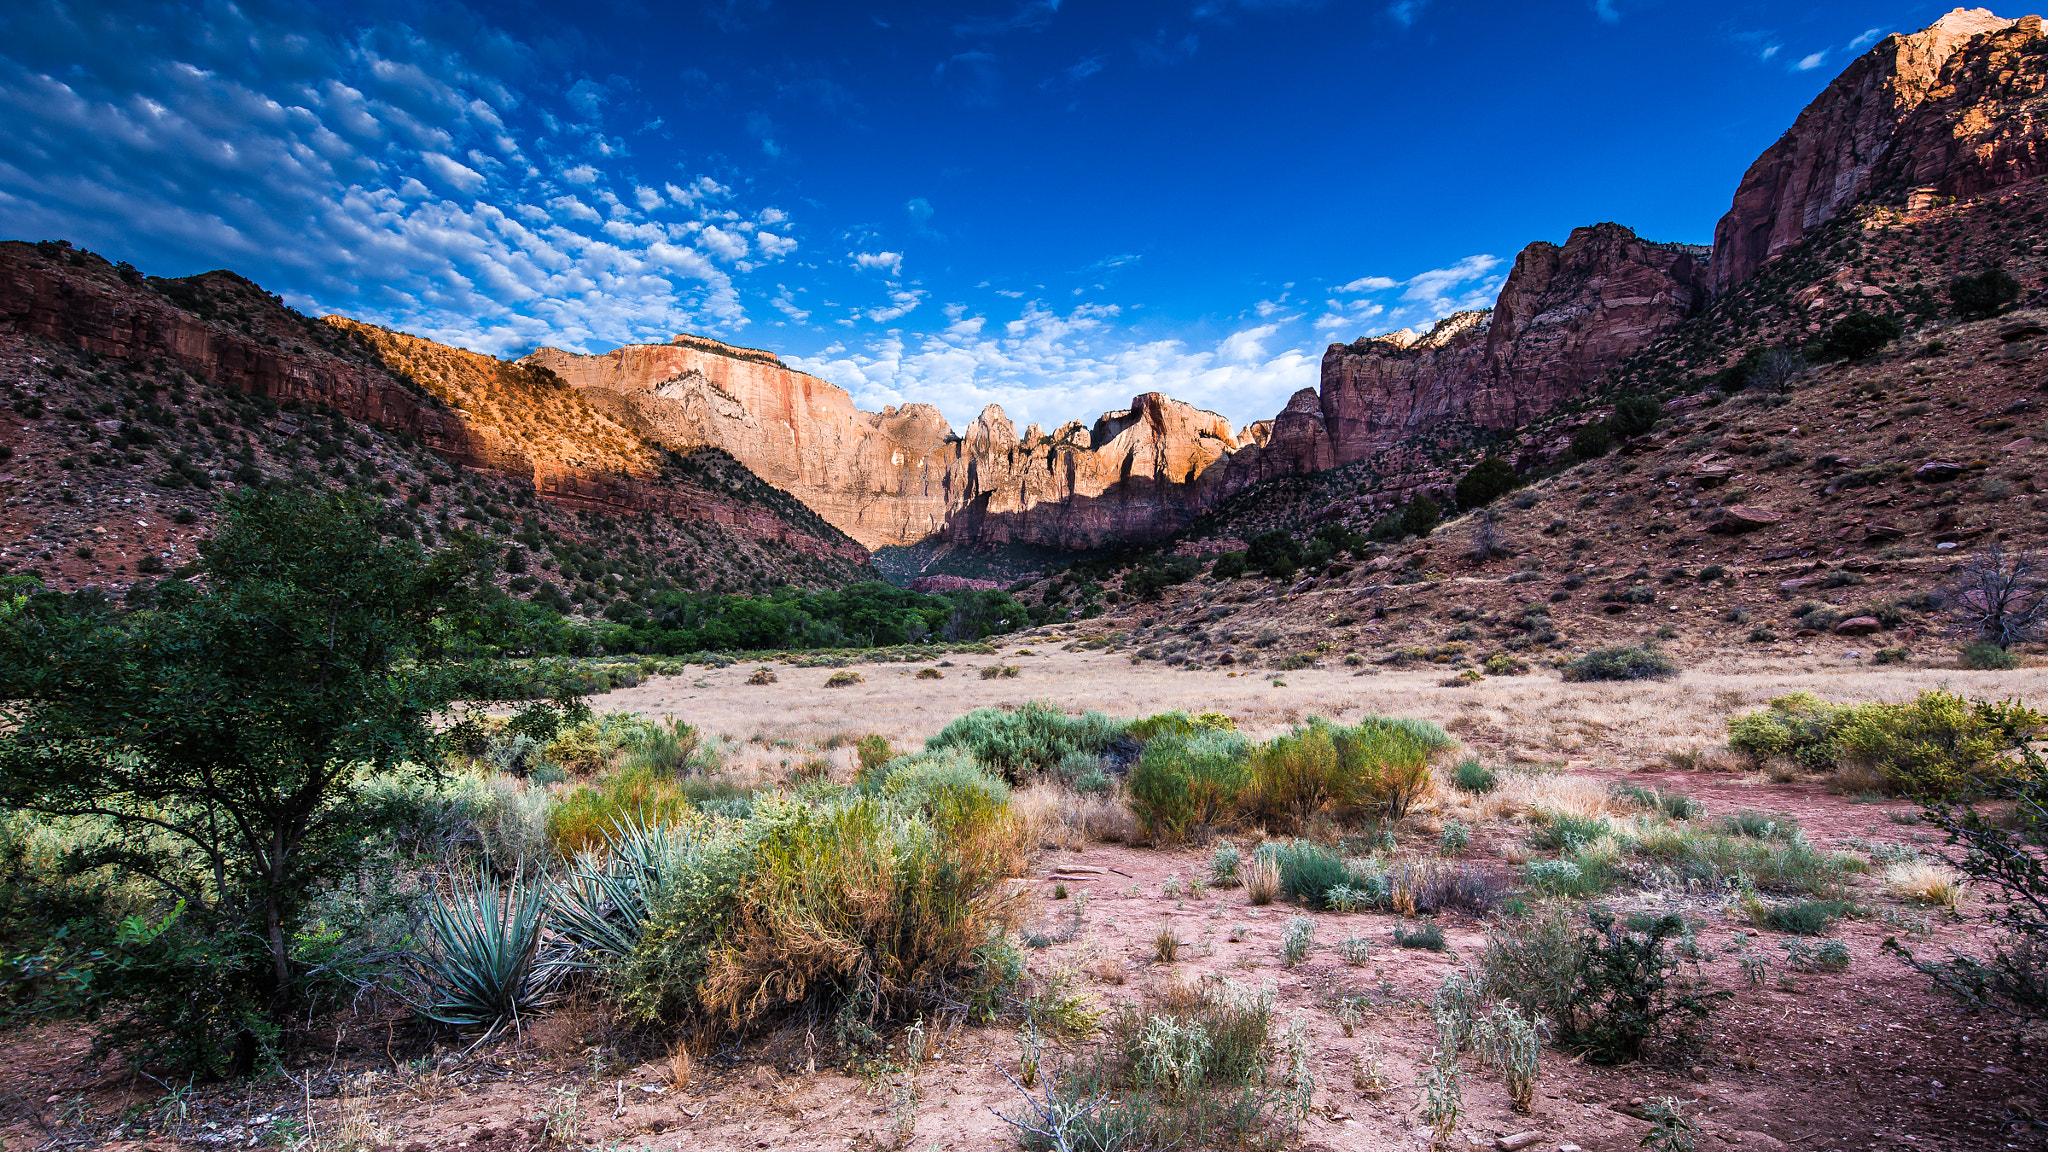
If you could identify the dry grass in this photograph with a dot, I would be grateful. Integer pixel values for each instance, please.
(1055, 817)
(1261, 877)
(1924, 883)
(1535, 719)
(1531, 796)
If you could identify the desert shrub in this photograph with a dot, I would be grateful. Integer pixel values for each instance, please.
(1485, 481)
(930, 674)
(924, 779)
(1621, 662)
(1984, 656)
(1417, 886)
(1676, 805)
(589, 816)
(873, 752)
(2004, 855)
(844, 678)
(1427, 936)
(1181, 781)
(1797, 727)
(1223, 864)
(1031, 740)
(1177, 723)
(513, 827)
(1377, 765)
(1455, 838)
(762, 676)
(1803, 917)
(1592, 441)
(1891, 656)
(1474, 777)
(1228, 566)
(1261, 876)
(1982, 295)
(1761, 825)
(1858, 335)
(1924, 883)
(1557, 828)
(1534, 962)
(1623, 996)
(1308, 871)
(863, 905)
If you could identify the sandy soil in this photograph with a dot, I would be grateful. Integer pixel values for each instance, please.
(1865, 1058)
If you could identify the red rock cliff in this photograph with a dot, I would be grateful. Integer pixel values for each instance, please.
(1954, 107)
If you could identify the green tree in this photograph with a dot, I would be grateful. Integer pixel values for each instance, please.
(219, 736)
(1421, 515)
(1985, 294)
(1635, 415)
(1592, 441)
(1485, 482)
(1859, 334)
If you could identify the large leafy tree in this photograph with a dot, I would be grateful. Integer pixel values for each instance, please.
(218, 736)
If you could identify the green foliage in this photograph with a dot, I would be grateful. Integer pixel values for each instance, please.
(1181, 781)
(1985, 294)
(1031, 740)
(1621, 662)
(1273, 553)
(2003, 851)
(1428, 936)
(1485, 482)
(1228, 566)
(1860, 334)
(866, 615)
(1377, 765)
(1984, 656)
(1147, 581)
(1622, 996)
(1936, 744)
(1420, 516)
(1474, 777)
(1804, 917)
(482, 970)
(222, 733)
(1592, 441)
(1635, 415)
(1308, 871)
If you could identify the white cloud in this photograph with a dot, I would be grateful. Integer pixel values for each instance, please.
(1048, 367)
(1870, 36)
(580, 174)
(1809, 63)
(774, 246)
(1369, 284)
(724, 244)
(458, 176)
(1604, 9)
(1770, 51)
(1404, 12)
(902, 301)
(892, 262)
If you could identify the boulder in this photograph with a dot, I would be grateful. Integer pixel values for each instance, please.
(1858, 626)
(1879, 530)
(1738, 518)
(2024, 330)
(1937, 471)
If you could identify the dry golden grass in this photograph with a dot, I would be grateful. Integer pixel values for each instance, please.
(1924, 883)
(1261, 877)
(1535, 720)
(1530, 796)
(1055, 817)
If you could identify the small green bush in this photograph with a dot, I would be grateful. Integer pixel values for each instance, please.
(1623, 996)
(1474, 777)
(1031, 740)
(1621, 662)
(1982, 295)
(1984, 656)
(1428, 936)
(1309, 871)
(1376, 766)
(1181, 782)
(1860, 334)
(1805, 917)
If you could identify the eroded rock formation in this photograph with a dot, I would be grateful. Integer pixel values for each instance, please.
(1953, 108)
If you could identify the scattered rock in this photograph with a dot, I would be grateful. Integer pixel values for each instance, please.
(1858, 626)
(1517, 1142)
(1746, 518)
(1936, 471)
(2024, 330)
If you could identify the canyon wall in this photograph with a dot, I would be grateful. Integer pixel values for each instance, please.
(1954, 108)
(101, 314)
(900, 476)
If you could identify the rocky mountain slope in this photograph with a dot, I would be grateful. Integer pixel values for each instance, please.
(1828, 520)
(134, 402)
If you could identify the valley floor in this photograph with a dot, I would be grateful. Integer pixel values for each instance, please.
(1862, 1058)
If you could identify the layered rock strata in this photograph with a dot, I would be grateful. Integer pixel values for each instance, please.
(1954, 109)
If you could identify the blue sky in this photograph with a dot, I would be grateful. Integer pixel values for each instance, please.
(1049, 204)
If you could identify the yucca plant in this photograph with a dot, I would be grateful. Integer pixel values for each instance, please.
(483, 970)
(601, 908)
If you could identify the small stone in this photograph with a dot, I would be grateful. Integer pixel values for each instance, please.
(1517, 1142)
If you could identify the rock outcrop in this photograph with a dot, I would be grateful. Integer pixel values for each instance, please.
(1565, 316)
(1953, 109)
(900, 476)
(96, 312)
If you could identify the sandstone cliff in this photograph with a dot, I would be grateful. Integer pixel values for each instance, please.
(1566, 315)
(516, 422)
(1954, 108)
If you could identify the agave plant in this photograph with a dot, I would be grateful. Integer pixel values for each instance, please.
(600, 909)
(482, 971)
